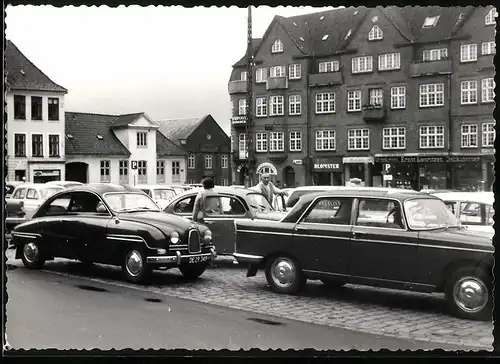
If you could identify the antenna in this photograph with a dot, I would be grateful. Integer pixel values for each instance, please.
(249, 100)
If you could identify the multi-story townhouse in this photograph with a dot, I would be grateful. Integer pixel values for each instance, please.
(207, 147)
(381, 95)
(35, 121)
(121, 149)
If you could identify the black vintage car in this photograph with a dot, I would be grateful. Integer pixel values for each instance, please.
(389, 239)
(113, 224)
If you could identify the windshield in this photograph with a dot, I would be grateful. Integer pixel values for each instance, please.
(49, 191)
(295, 197)
(257, 201)
(129, 201)
(429, 214)
(164, 194)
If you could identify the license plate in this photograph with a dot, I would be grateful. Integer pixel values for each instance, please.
(193, 260)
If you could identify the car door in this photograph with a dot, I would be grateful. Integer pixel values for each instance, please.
(183, 207)
(322, 236)
(382, 248)
(31, 202)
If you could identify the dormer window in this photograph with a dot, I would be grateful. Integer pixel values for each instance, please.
(375, 33)
(294, 23)
(348, 34)
(69, 136)
(99, 136)
(277, 46)
(322, 17)
(243, 76)
(302, 39)
(430, 21)
(325, 37)
(490, 17)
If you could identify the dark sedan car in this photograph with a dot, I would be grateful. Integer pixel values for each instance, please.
(390, 239)
(232, 203)
(113, 224)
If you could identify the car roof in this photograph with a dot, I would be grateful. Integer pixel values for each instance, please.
(101, 188)
(396, 193)
(242, 192)
(170, 187)
(37, 185)
(350, 188)
(484, 197)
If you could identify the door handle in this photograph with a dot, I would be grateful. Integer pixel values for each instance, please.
(209, 222)
(299, 228)
(357, 235)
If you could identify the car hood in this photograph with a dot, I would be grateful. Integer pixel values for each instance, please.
(161, 220)
(270, 215)
(459, 237)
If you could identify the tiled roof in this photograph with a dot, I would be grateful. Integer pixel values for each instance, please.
(84, 129)
(255, 45)
(24, 75)
(165, 147)
(177, 129)
(125, 119)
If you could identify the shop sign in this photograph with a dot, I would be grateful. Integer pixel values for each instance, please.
(327, 165)
(267, 167)
(47, 173)
(489, 151)
(239, 119)
(209, 148)
(387, 177)
(464, 159)
(423, 159)
(297, 162)
(353, 160)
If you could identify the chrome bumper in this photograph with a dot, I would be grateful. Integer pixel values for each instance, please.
(247, 258)
(178, 258)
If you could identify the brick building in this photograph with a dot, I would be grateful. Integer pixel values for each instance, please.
(392, 96)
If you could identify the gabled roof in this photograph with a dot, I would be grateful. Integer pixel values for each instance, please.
(24, 75)
(177, 129)
(123, 121)
(393, 13)
(165, 147)
(255, 45)
(84, 129)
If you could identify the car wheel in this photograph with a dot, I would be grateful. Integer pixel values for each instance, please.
(468, 294)
(330, 283)
(135, 267)
(284, 275)
(192, 271)
(32, 256)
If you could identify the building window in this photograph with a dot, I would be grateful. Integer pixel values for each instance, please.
(330, 66)
(224, 182)
(488, 90)
(20, 145)
(394, 138)
(294, 71)
(398, 97)
(431, 137)
(294, 104)
(36, 108)
(295, 141)
(277, 46)
(325, 140)
(488, 130)
(160, 171)
(432, 95)
(261, 109)
(191, 161)
(176, 171)
(242, 107)
(468, 52)
(488, 48)
(243, 76)
(208, 161)
(469, 136)
(430, 21)
(276, 106)
(354, 100)
(325, 102)
(362, 64)
(123, 171)
(105, 171)
(489, 19)
(260, 75)
(54, 145)
(375, 33)
(277, 71)
(242, 145)
(358, 139)
(142, 171)
(261, 139)
(224, 162)
(142, 139)
(37, 145)
(20, 107)
(468, 92)
(53, 108)
(277, 141)
(391, 61)
(430, 55)
(376, 97)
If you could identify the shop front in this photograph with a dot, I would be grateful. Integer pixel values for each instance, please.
(327, 171)
(359, 171)
(45, 175)
(472, 172)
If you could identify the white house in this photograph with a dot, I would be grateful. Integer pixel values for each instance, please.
(125, 149)
(35, 121)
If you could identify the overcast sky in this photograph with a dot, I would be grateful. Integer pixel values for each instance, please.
(170, 62)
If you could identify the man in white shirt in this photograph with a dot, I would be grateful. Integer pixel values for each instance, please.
(267, 188)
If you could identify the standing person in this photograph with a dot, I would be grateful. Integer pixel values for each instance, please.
(200, 207)
(267, 188)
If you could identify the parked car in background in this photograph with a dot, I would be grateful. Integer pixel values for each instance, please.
(113, 224)
(431, 191)
(29, 196)
(161, 194)
(64, 184)
(473, 209)
(393, 239)
(10, 186)
(233, 204)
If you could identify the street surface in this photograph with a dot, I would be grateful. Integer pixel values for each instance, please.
(64, 306)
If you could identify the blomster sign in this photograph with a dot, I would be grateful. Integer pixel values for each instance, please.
(326, 166)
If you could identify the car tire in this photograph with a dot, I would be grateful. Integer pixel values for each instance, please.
(468, 293)
(284, 275)
(32, 255)
(331, 283)
(135, 267)
(192, 271)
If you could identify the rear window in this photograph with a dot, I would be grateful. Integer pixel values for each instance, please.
(48, 191)
(295, 196)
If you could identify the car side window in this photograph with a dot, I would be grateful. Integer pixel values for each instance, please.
(185, 206)
(382, 213)
(213, 205)
(31, 194)
(19, 194)
(330, 210)
(451, 206)
(490, 212)
(229, 206)
(470, 213)
(57, 207)
(83, 202)
(147, 191)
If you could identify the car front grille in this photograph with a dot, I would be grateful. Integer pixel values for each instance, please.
(194, 244)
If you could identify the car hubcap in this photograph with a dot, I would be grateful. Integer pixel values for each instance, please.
(30, 252)
(283, 273)
(134, 263)
(470, 294)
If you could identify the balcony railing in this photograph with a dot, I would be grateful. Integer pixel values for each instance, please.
(276, 83)
(485, 61)
(239, 120)
(373, 112)
(427, 68)
(325, 79)
(237, 87)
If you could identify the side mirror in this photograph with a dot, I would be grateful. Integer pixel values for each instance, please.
(101, 209)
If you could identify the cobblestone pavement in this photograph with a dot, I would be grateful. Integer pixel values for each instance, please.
(371, 310)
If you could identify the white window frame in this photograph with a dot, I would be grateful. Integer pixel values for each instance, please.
(328, 66)
(275, 102)
(398, 97)
(191, 161)
(389, 61)
(375, 33)
(295, 71)
(295, 141)
(261, 107)
(438, 54)
(277, 71)
(123, 171)
(358, 139)
(432, 94)
(142, 172)
(488, 134)
(430, 21)
(488, 48)
(276, 141)
(142, 139)
(242, 144)
(488, 90)
(376, 97)
(489, 19)
(294, 104)
(224, 182)
(468, 92)
(277, 46)
(325, 102)
(367, 63)
(325, 137)
(261, 142)
(394, 138)
(176, 171)
(468, 53)
(160, 171)
(224, 161)
(353, 100)
(430, 133)
(243, 76)
(261, 75)
(208, 161)
(242, 107)
(468, 136)
(105, 165)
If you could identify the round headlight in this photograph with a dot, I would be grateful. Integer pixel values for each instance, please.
(207, 236)
(174, 237)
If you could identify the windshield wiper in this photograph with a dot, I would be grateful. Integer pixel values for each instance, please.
(142, 208)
